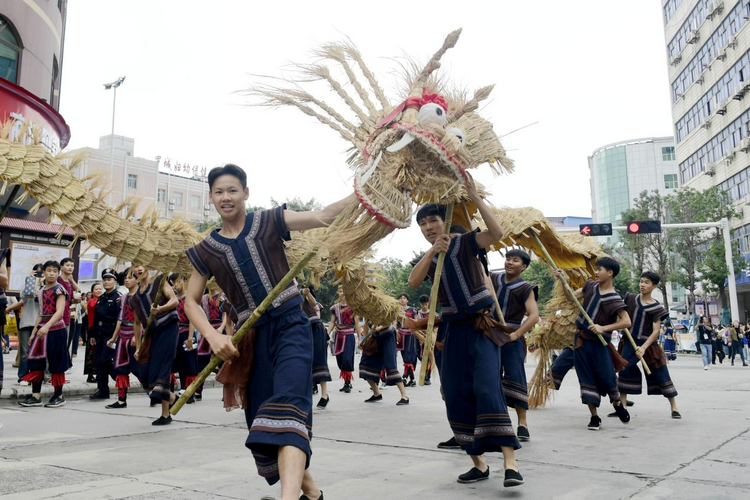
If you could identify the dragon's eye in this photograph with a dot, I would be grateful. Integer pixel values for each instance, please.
(432, 113)
(458, 133)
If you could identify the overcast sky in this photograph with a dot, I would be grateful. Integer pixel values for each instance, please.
(591, 72)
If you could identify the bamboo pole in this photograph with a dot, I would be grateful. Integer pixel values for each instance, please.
(429, 341)
(565, 284)
(237, 337)
(635, 348)
(488, 278)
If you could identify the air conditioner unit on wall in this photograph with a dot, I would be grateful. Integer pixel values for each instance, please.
(722, 54)
(674, 61)
(715, 8)
(729, 157)
(694, 37)
(711, 170)
(706, 124)
(745, 145)
(739, 91)
(721, 108)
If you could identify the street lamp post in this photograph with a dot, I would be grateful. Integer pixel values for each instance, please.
(114, 86)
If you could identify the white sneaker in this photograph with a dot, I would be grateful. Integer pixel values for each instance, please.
(705, 367)
(23, 383)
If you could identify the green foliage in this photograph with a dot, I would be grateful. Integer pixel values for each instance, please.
(395, 275)
(538, 273)
(649, 251)
(297, 205)
(695, 245)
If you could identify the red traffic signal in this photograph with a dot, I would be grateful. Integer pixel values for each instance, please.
(595, 229)
(644, 226)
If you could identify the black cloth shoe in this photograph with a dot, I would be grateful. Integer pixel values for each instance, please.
(374, 399)
(116, 405)
(402, 402)
(676, 414)
(56, 402)
(612, 415)
(323, 402)
(198, 397)
(343, 389)
(474, 475)
(595, 423)
(305, 497)
(631, 403)
(427, 382)
(523, 434)
(30, 401)
(162, 421)
(451, 444)
(512, 478)
(99, 395)
(90, 380)
(315, 389)
(622, 412)
(348, 388)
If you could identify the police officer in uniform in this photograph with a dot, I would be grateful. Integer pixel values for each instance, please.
(105, 320)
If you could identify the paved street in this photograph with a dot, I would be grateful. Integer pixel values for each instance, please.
(83, 451)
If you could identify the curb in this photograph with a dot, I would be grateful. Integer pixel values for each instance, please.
(16, 392)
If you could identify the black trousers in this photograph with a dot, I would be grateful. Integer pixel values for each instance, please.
(103, 358)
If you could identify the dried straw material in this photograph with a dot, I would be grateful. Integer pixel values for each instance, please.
(364, 297)
(426, 168)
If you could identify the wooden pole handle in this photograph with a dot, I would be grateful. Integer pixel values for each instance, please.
(635, 348)
(429, 341)
(239, 334)
(565, 284)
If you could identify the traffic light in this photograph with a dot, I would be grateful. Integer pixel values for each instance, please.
(644, 226)
(595, 229)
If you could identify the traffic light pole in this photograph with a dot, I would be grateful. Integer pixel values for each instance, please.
(724, 225)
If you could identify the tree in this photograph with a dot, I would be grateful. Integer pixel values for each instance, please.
(689, 205)
(650, 251)
(297, 205)
(712, 263)
(396, 280)
(538, 273)
(623, 282)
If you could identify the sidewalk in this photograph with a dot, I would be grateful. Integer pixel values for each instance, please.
(75, 381)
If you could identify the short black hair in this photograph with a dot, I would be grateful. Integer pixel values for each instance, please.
(52, 263)
(227, 169)
(457, 229)
(38, 267)
(172, 279)
(517, 252)
(609, 264)
(651, 276)
(431, 209)
(403, 295)
(423, 299)
(66, 260)
(121, 276)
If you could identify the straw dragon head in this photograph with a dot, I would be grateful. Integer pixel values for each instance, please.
(418, 150)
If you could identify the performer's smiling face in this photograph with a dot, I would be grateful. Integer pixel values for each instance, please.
(514, 266)
(229, 197)
(431, 227)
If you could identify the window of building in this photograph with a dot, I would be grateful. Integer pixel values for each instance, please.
(715, 44)
(667, 153)
(177, 199)
(161, 195)
(54, 86)
(132, 181)
(10, 51)
(195, 202)
(670, 181)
